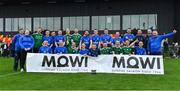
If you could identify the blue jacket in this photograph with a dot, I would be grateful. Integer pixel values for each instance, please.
(155, 42)
(106, 38)
(26, 41)
(45, 49)
(117, 39)
(84, 52)
(140, 51)
(86, 41)
(49, 39)
(60, 50)
(15, 42)
(61, 37)
(128, 36)
(96, 39)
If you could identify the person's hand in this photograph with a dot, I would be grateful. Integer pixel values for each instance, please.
(174, 31)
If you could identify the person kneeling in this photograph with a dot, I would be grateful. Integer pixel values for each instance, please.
(45, 48)
(60, 49)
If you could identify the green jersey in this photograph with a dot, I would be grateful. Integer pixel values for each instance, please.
(106, 50)
(72, 50)
(37, 40)
(76, 38)
(127, 50)
(68, 41)
(117, 50)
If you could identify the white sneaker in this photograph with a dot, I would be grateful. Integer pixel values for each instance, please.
(22, 70)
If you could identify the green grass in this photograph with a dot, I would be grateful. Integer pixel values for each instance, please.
(47, 81)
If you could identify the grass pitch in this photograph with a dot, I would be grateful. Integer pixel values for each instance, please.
(10, 80)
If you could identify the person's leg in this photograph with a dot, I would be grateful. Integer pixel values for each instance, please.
(23, 58)
(16, 60)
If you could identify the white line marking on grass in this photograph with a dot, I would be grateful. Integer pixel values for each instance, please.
(11, 74)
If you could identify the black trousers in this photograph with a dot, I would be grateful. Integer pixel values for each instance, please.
(17, 60)
(5, 53)
(23, 57)
(35, 50)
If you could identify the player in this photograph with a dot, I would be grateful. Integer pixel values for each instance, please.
(45, 48)
(106, 38)
(85, 39)
(139, 50)
(117, 38)
(48, 38)
(128, 35)
(73, 49)
(83, 50)
(105, 49)
(128, 48)
(76, 37)
(26, 43)
(95, 39)
(61, 49)
(94, 52)
(155, 40)
(59, 37)
(37, 40)
(117, 49)
(68, 39)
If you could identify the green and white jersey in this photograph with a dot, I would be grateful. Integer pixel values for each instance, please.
(127, 50)
(72, 50)
(76, 38)
(106, 50)
(117, 50)
(37, 40)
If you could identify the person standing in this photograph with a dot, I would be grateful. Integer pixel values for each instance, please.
(155, 40)
(26, 43)
(17, 49)
(95, 39)
(85, 39)
(37, 40)
(76, 37)
(106, 38)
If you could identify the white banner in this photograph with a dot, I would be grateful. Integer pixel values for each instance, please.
(76, 63)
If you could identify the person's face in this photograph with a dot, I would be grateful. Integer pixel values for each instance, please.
(117, 35)
(59, 32)
(86, 33)
(94, 47)
(139, 32)
(117, 43)
(39, 30)
(45, 43)
(154, 33)
(73, 44)
(60, 43)
(67, 31)
(141, 44)
(95, 32)
(53, 34)
(105, 31)
(76, 30)
(149, 32)
(47, 33)
(83, 46)
(127, 43)
(104, 44)
(27, 32)
(129, 31)
(21, 31)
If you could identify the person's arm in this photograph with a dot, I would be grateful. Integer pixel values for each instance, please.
(132, 44)
(169, 34)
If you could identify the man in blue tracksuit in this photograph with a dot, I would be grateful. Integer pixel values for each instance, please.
(95, 39)
(106, 38)
(85, 39)
(26, 43)
(45, 48)
(17, 49)
(128, 36)
(155, 40)
(60, 49)
(59, 37)
(139, 50)
(48, 38)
